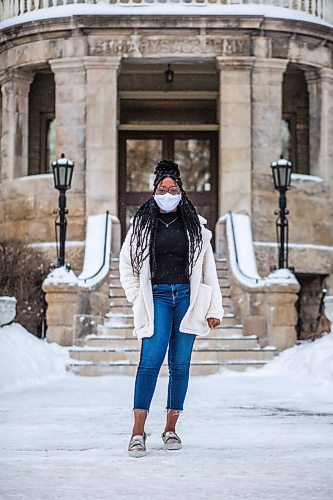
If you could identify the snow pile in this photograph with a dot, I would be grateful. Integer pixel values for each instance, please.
(26, 360)
(61, 275)
(309, 359)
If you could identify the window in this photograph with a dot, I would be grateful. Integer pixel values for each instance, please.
(295, 120)
(47, 142)
(41, 123)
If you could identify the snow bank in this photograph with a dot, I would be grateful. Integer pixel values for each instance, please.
(309, 359)
(26, 360)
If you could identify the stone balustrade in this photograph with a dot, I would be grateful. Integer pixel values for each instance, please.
(319, 8)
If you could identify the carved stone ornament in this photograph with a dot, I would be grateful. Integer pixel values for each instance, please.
(143, 46)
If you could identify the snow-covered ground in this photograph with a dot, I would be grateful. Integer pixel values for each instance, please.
(264, 434)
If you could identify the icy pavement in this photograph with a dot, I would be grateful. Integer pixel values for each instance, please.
(245, 436)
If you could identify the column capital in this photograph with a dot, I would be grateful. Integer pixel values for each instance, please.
(317, 75)
(311, 75)
(67, 64)
(326, 75)
(16, 76)
(270, 63)
(102, 62)
(229, 63)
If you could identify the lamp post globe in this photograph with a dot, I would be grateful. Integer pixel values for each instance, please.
(62, 173)
(281, 172)
(62, 176)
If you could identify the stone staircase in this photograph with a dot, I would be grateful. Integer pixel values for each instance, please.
(114, 350)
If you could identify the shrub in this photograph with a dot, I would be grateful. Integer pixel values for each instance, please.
(22, 271)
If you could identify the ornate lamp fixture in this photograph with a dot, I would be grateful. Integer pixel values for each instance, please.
(281, 171)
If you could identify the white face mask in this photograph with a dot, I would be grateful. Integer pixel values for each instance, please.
(167, 202)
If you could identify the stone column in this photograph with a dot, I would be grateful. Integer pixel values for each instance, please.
(62, 305)
(15, 88)
(320, 87)
(101, 135)
(70, 82)
(281, 316)
(267, 78)
(235, 134)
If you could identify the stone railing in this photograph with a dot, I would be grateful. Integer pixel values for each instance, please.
(265, 306)
(319, 8)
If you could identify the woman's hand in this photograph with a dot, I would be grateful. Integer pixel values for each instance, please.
(213, 322)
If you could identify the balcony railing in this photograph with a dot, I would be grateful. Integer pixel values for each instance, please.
(322, 9)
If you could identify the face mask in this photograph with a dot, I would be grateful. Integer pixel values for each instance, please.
(167, 202)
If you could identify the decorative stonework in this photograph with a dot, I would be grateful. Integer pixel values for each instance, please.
(143, 46)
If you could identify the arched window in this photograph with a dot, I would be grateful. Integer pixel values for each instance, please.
(41, 123)
(295, 120)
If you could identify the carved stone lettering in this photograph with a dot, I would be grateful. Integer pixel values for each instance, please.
(137, 45)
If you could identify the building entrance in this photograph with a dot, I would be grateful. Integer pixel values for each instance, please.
(194, 151)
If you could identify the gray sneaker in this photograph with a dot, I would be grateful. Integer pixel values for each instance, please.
(137, 446)
(171, 440)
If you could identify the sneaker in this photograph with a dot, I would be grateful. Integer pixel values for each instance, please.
(137, 446)
(171, 440)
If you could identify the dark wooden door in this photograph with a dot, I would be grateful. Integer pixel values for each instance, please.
(196, 155)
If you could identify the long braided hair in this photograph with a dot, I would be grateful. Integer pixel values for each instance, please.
(144, 229)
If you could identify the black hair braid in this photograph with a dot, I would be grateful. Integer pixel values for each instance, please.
(144, 222)
(142, 243)
(193, 231)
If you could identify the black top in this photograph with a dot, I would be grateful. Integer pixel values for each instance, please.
(170, 250)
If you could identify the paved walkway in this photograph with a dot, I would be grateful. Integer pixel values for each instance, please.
(244, 437)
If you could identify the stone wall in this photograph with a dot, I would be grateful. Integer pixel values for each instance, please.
(26, 209)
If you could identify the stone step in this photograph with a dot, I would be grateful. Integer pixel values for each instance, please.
(114, 281)
(211, 342)
(121, 309)
(116, 291)
(119, 301)
(110, 354)
(122, 319)
(126, 331)
(86, 368)
(124, 307)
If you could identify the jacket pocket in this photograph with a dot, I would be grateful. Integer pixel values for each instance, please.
(202, 303)
(139, 311)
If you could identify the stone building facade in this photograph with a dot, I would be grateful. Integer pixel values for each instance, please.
(246, 83)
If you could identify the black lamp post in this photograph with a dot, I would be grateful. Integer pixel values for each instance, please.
(62, 173)
(281, 171)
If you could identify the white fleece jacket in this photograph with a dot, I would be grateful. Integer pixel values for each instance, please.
(205, 293)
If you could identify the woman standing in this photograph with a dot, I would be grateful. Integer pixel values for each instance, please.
(168, 272)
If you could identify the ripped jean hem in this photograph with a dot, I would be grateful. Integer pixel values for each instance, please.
(140, 409)
(177, 412)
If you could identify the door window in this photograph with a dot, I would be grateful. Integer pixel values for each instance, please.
(193, 158)
(141, 157)
(196, 155)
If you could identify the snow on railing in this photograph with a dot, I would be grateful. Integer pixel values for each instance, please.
(319, 8)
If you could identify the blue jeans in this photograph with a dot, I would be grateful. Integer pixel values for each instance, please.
(171, 302)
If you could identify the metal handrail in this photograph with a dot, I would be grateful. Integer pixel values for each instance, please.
(107, 213)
